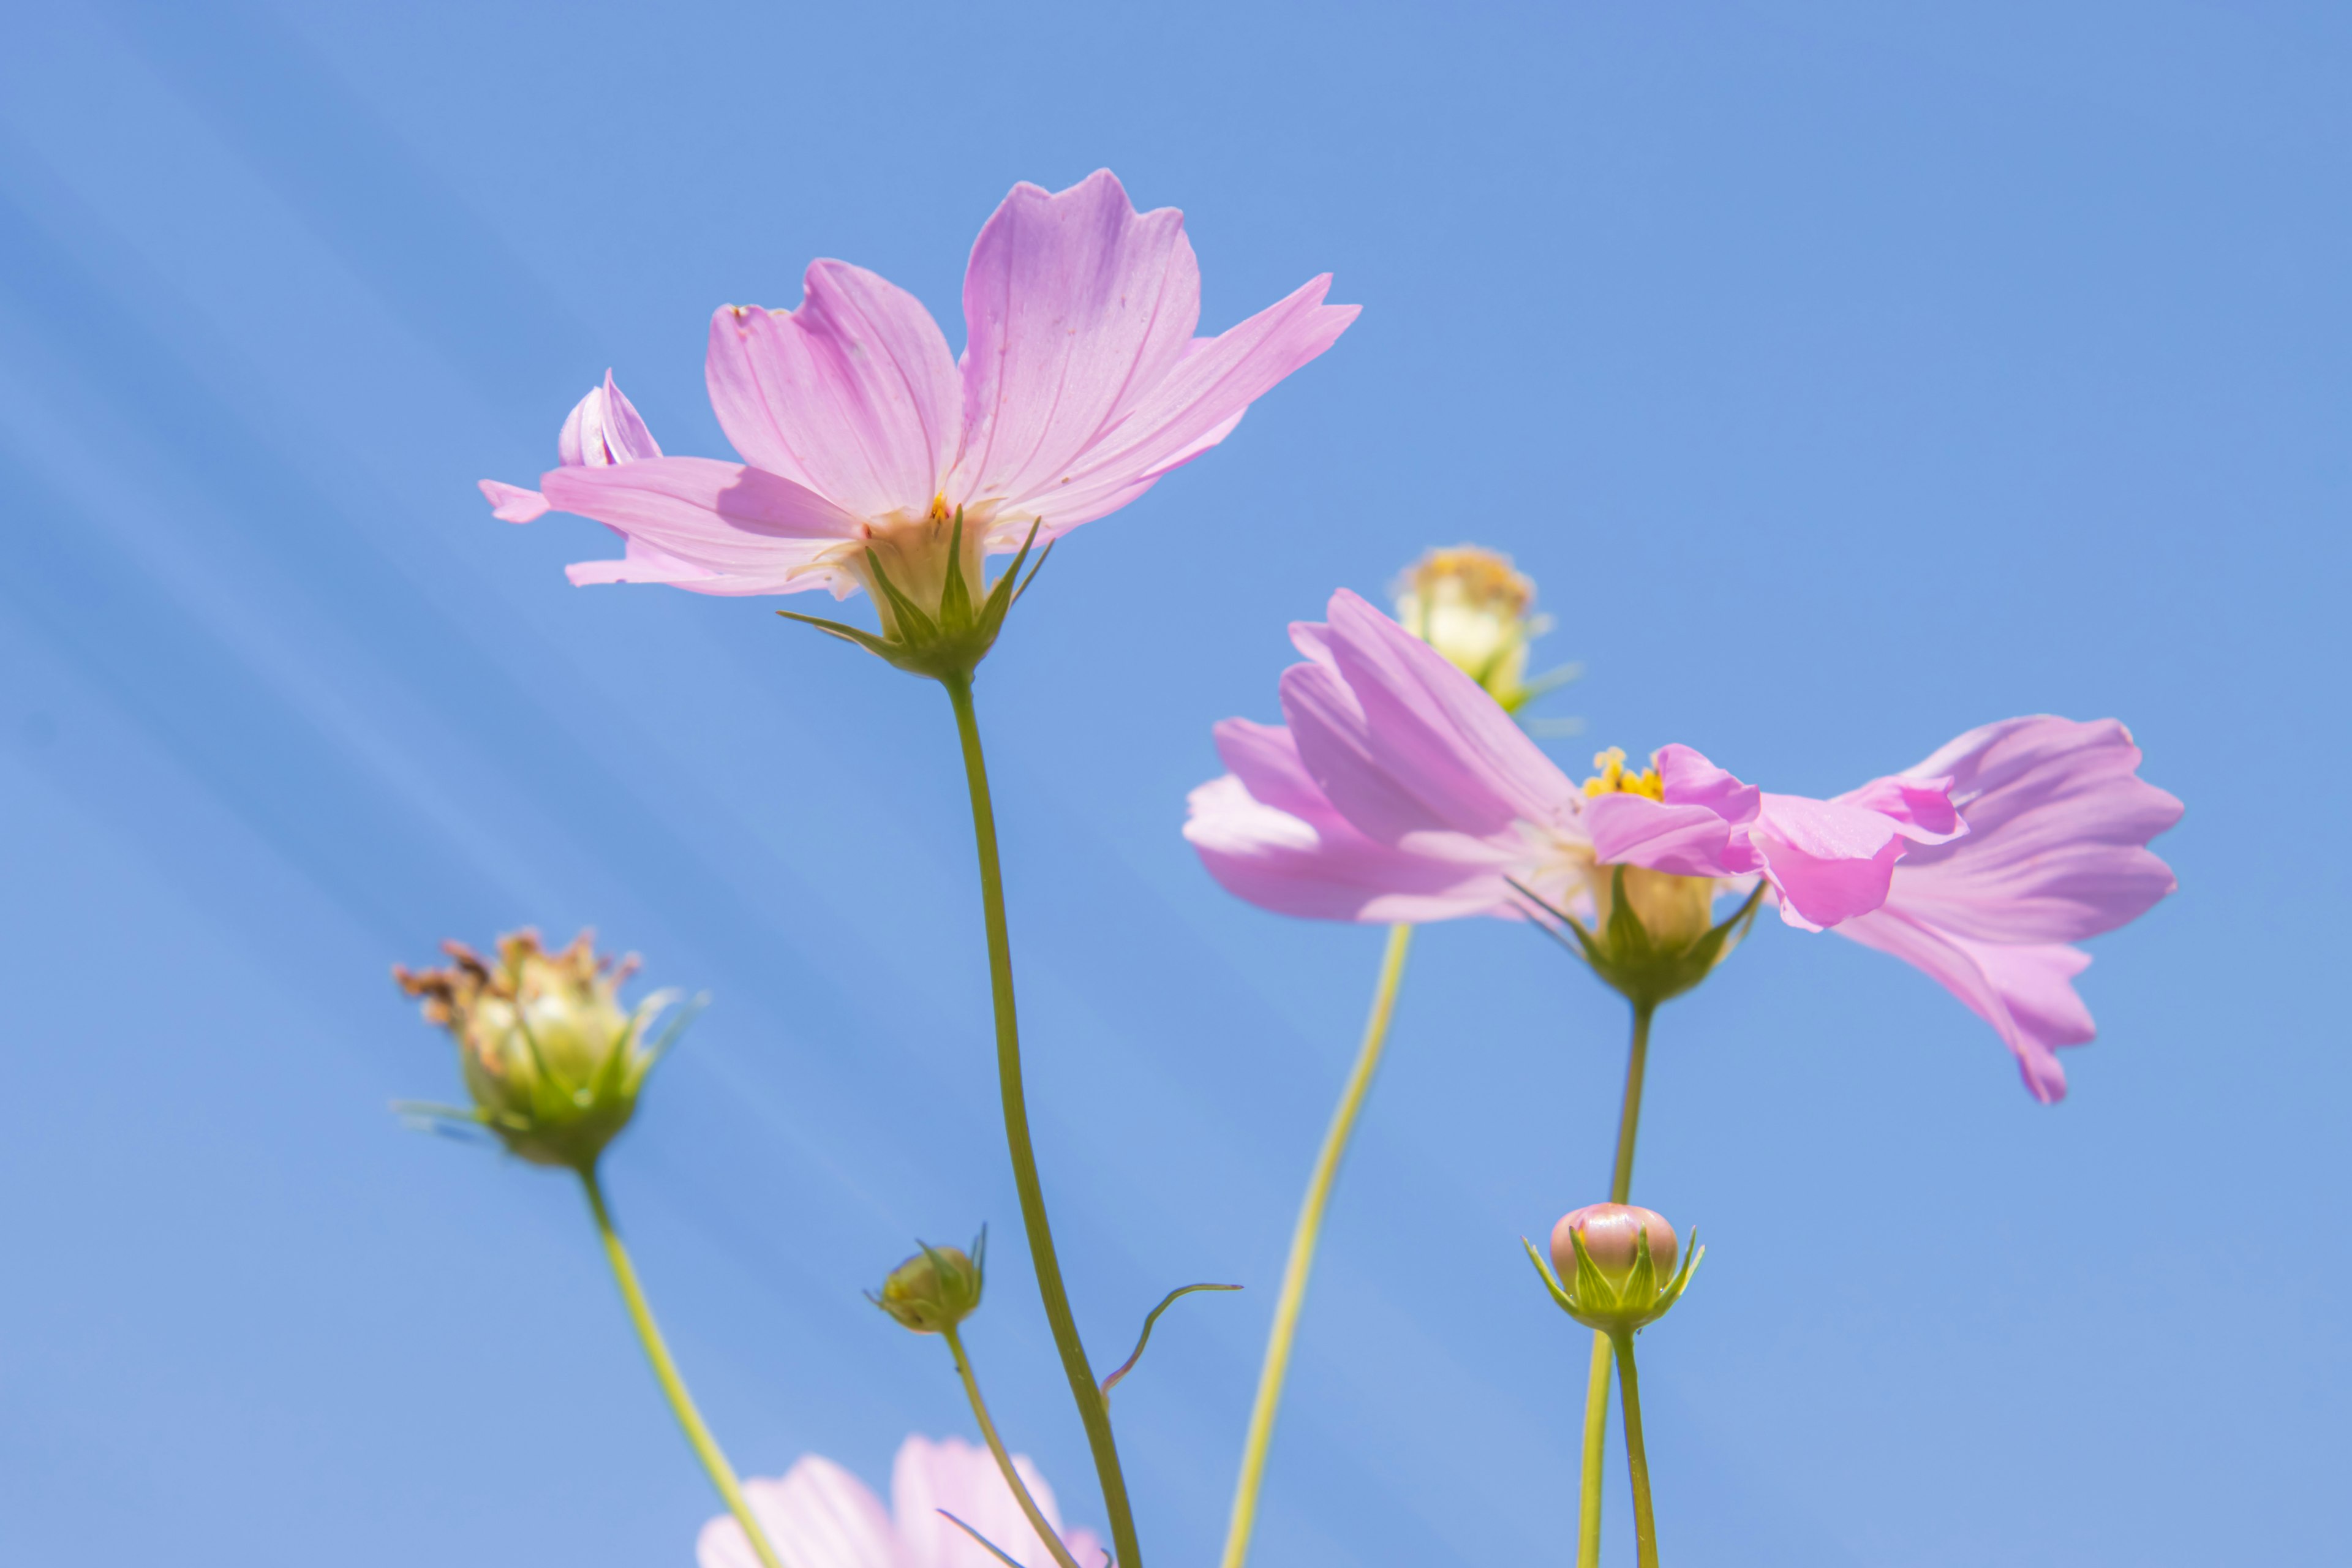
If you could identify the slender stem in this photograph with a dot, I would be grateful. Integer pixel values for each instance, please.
(1645, 1528)
(1596, 1442)
(1596, 1385)
(1029, 1509)
(1094, 1411)
(1303, 1238)
(681, 1403)
(1629, 1119)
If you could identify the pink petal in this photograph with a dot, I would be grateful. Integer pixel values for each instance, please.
(853, 395)
(1829, 862)
(1689, 779)
(1689, 840)
(1921, 809)
(818, 1516)
(605, 429)
(720, 517)
(1402, 742)
(512, 503)
(2058, 819)
(2024, 992)
(1075, 306)
(1267, 835)
(961, 1478)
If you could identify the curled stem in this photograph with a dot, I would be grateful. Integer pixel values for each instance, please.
(1303, 1240)
(681, 1403)
(1029, 1509)
(1093, 1410)
(1596, 1388)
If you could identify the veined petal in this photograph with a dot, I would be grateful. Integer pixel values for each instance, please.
(1075, 306)
(1267, 835)
(1921, 809)
(2024, 991)
(605, 429)
(721, 517)
(853, 395)
(1196, 407)
(2058, 821)
(817, 1516)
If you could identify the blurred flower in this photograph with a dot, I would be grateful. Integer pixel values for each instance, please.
(1616, 1266)
(1400, 791)
(874, 458)
(937, 1289)
(1471, 605)
(821, 1516)
(552, 1060)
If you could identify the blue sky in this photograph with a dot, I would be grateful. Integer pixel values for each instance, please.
(1847, 375)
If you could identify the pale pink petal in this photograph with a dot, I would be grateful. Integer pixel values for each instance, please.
(1402, 742)
(512, 503)
(2023, 991)
(854, 394)
(961, 1478)
(1828, 862)
(1197, 405)
(818, 1516)
(720, 517)
(605, 429)
(1690, 779)
(1689, 840)
(1075, 307)
(1921, 809)
(2058, 821)
(1267, 835)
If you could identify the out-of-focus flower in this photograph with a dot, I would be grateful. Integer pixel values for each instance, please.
(1400, 791)
(872, 454)
(552, 1060)
(1472, 605)
(1616, 1265)
(937, 1289)
(821, 1516)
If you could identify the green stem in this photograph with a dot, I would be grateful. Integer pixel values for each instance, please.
(1029, 1509)
(681, 1403)
(1596, 1386)
(1645, 1528)
(1094, 1411)
(1303, 1240)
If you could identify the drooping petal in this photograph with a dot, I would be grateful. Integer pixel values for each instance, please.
(603, 428)
(817, 1516)
(2058, 821)
(930, 1480)
(853, 395)
(2024, 991)
(720, 517)
(1829, 862)
(1197, 406)
(1402, 743)
(1075, 306)
(1267, 835)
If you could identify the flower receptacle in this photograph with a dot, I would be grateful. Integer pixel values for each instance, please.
(1653, 934)
(937, 618)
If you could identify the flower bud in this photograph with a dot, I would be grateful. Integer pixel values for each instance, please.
(552, 1060)
(1471, 605)
(1616, 1266)
(937, 1289)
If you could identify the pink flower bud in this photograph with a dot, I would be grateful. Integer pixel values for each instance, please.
(1613, 1240)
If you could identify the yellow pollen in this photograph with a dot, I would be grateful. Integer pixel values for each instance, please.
(940, 512)
(1612, 778)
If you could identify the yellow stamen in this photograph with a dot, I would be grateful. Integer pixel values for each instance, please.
(1612, 779)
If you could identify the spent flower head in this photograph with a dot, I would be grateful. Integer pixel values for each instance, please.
(1616, 1264)
(937, 1289)
(551, 1058)
(1474, 606)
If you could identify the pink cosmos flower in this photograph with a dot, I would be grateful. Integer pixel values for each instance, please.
(1400, 791)
(1081, 383)
(821, 1516)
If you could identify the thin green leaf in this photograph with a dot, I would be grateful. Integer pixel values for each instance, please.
(850, 634)
(1165, 1303)
(1001, 1555)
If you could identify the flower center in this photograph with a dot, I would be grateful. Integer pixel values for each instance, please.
(1612, 779)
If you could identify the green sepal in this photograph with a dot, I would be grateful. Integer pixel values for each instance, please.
(1561, 1298)
(950, 646)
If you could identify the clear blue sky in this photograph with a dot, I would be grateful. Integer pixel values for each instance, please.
(1847, 374)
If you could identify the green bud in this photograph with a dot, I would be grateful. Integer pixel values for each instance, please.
(1612, 1258)
(937, 1289)
(552, 1060)
(1472, 605)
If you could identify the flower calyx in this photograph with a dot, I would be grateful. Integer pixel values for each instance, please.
(552, 1060)
(946, 637)
(1611, 1257)
(1653, 934)
(937, 1289)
